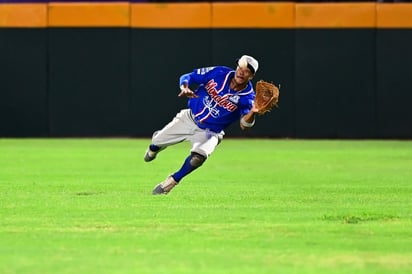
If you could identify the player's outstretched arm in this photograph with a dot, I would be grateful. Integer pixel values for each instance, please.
(186, 91)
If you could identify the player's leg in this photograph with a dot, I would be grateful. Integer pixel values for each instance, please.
(192, 162)
(203, 144)
(174, 132)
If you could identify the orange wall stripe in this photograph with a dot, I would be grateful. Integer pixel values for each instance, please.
(89, 14)
(166, 15)
(397, 15)
(208, 15)
(23, 15)
(253, 15)
(336, 15)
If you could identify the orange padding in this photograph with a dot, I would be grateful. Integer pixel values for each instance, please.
(89, 14)
(23, 15)
(208, 15)
(176, 15)
(253, 15)
(397, 15)
(336, 15)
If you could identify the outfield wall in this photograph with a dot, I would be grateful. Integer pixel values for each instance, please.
(112, 69)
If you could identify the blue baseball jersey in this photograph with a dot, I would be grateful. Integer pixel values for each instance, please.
(217, 106)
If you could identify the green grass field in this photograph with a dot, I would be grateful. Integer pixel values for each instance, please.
(256, 206)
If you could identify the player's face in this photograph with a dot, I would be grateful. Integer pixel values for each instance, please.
(242, 75)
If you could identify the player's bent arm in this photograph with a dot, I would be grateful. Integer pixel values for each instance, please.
(184, 80)
(186, 91)
(247, 121)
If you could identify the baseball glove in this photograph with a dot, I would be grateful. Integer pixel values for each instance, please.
(267, 96)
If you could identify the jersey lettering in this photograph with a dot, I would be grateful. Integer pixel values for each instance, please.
(221, 101)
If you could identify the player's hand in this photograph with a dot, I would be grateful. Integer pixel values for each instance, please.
(254, 108)
(186, 91)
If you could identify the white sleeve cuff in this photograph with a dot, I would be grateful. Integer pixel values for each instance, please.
(246, 124)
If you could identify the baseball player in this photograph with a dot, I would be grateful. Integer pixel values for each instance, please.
(222, 96)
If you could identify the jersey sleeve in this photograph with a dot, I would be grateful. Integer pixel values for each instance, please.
(197, 76)
(246, 106)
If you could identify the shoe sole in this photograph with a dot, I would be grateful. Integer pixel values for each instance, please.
(158, 190)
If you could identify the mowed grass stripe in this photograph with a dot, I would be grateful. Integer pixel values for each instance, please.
(256, 206)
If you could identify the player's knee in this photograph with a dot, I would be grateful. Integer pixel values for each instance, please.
(197, 159)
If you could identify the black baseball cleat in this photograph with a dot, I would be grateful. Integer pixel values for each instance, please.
(165, 187)
(150, 155)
